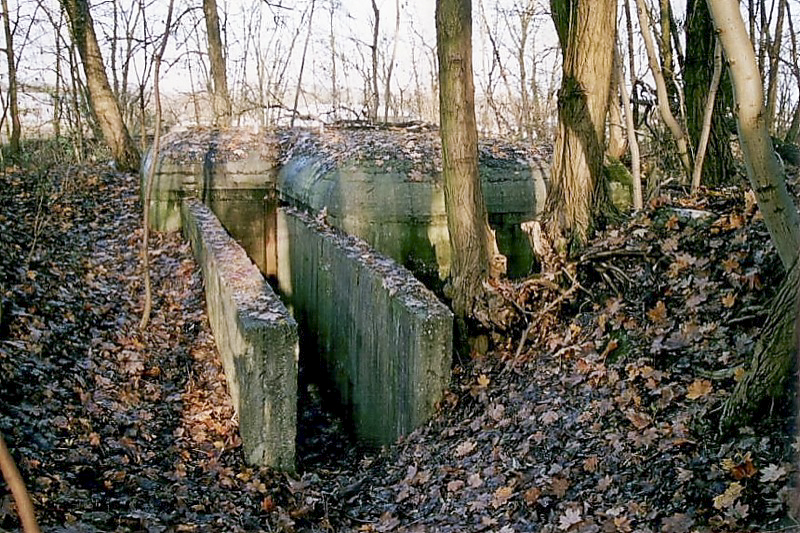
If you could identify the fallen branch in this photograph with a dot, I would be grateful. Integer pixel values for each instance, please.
(17, 485)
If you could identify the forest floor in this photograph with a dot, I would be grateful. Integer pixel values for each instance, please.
(606, 420)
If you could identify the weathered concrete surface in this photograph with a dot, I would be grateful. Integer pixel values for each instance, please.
(256, 337)
(386, 187)
(383, 339)
(215, 166)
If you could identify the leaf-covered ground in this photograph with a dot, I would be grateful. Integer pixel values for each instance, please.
(605, 420)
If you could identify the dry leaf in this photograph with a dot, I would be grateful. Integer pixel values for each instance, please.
(727, 498)
(658, 314)
(465, 448)
(501, 496)
(559, 486)
(531, 496)
(698, 389)
(728, 300)
(772, 473)
(570, 518)
(590, 463)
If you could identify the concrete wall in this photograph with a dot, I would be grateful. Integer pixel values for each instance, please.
(256, 338)
(382, 338)
(216, 167)
(401, 212)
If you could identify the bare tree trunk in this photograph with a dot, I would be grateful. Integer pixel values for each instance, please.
(332, 41)
(667, 62)
(631, 57)
(467, 219)
(719, 166)
(661, 89)
(633, 143)
(375, 104)
(616, 140)
(13, 106)
(302, 64)
(387, 88)
(708, 115)
(102, 99)
(772, 357)
(774, 52)
(765, 171)
(777, 344)
(587, 34)
(219, 72)
(148, 291)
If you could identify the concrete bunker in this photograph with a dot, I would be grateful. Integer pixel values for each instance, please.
(383, 340)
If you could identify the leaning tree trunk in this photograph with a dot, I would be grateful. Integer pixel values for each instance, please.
(777, 343)
(104, 105)
(719, 167)
(587, 33)
(467, 219)
(661, 89)
(773, 355)
(219, 73)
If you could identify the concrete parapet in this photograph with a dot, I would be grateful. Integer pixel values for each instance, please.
(384, 340)
(256, 337)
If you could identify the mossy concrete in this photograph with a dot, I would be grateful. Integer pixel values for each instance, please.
(382, 339)
(256, 338)
(401, 212)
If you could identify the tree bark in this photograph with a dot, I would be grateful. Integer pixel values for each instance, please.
(13, 106)
(219, 72)
(633, 143)
(661, 89)
(375, 104)
(774, 52)
(467, 220)
(773, 356)
(708, 114)
(764, 169)
(148, 294)
(387, 93)
(719, 166)
(104, 105)
(302, 63)
(777, 343)
(587, 34)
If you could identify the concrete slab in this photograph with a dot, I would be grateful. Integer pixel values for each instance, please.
(256, 337)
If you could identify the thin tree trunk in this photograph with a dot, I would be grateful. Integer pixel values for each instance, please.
(616, 139)
(765, 171)
(219, 72)
(708, 115)
(661, 89)
(13, 106)
(101, 96)
(148, 291)
(302, 65)
(631, 57)
(467, 219)
(373, 110)
(774, 57)
(387, 88)
(332, 41)
(633, 143)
